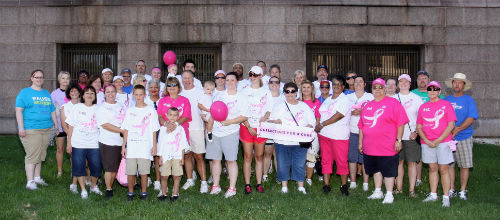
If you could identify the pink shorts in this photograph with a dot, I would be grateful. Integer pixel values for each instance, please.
(246, 137)
(334, 151)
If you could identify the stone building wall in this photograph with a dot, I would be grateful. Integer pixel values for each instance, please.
(456, 36)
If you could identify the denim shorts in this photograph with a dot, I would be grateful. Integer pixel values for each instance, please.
(80, 155)
(291, 159)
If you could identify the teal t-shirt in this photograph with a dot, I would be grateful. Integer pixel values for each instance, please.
(37, 106)
(424, 95)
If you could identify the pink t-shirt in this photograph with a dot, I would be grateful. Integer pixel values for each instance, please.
(379, 122)
(314, 107)
(181, 103)
(434, 118)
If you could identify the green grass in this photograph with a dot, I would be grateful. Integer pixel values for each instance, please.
(57, 202)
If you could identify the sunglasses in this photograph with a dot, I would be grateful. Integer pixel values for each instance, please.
(324, 87)
(378, 87)
(274, 82)
(172, 85)
(250, 74)
(351, 77)
(432, 88)
(290, 91)
(220, 77)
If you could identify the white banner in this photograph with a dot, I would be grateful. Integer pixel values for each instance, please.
(285, 133)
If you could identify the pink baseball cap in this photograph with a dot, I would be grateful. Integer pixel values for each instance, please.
(404, 76)
(219, 71)
(379, 81)
(433, 83)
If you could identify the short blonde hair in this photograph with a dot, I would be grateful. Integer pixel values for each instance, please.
(137, 79)
(297, 72)
(60, 75)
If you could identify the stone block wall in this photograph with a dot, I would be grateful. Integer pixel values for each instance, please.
(456, 36)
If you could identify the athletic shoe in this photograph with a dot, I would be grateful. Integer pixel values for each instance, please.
(309, 182)
(259, 188)
(73, 188)
(344, 190)
(210, 180)
(40, 182)
(284, 189)
(209, 137)
(189, 183)
(463, 194)
(143, 195)
(446, 202)
(96, 190)
(248, 189)
(348, 179)
(84, 194)
(265, 178)
(270, 168)
(31, 185)
(87, 182)
(194, 176)
(376, 195)
(214, 190)
(109, 194)
(302, 189)
(412, 194)
(353, 185)
(326, 189)
(149, 181)
(130, 197)
(157, 185)
(174, 198)
(418, 182)
(388, 199)
(452, 193)
(365, 187)
(320, 178)
(59, 174)
(430, 198)
(359, 175)
(230, 192)
(204, 187)
(397, 191)
(162, 198)
(224, 171)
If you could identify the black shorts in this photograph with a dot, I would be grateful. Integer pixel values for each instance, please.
(62, 134)
(111, 157)
(387, 165)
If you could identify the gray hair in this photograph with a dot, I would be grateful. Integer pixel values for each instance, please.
(188, 71)
(297, 72)
(153, 81)
(60, 75)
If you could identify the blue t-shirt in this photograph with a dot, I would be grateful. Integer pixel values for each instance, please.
(37, 106)
(128, 89)
(348, 91)
(465, 107)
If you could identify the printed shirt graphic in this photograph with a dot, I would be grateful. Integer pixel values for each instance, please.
(259, 103)
(379, 122)
(357, 104)
(181, 103)
(84, 121)
(194, 96)
(465, 107)
(434, 118)
(113, 114)
(411, 103)
(237, 106)
(140, 124)
(170, 145)
(124, 99)
(302, 113)
(38, 107)
(340, 129)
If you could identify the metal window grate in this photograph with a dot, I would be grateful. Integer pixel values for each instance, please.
(370, 61)
(206, 56)
(91, 57)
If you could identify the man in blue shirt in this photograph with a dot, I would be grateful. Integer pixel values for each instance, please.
(466, 111)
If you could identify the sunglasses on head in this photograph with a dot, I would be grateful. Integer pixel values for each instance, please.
(250, 74)
(288, 91)
(172, 85)
(274, 82)
(220, 77)
(432, 88)
(378, 87)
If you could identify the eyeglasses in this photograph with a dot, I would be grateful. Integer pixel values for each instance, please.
(38, 77)
(274, 82)
(351, 77)
(290, 91)
(378, 87)
(250, 74)
(172, 85)
(220, 77)
(324, 87)
(432, 88)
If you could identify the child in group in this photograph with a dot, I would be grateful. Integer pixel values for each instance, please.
(171, 147)
(139, 141)
(204, 105)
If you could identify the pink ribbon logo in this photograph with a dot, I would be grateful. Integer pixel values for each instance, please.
(121, 114)
(261, 104)
(145, 123)
(329, 110)
(91, 124)
(176, 142)
(437, 116)
(230, 105)
(408, 104)
(375, 117)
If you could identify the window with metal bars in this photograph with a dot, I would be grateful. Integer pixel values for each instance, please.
(91, 57)
(207, 58)
(370, 61)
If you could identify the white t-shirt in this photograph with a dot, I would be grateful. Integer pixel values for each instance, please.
(196, 82)
(84, 122)
(125, 99)
(340, 129)
(243, 84)
(194, 95)
(150, 102)
(302, 113)
(355, 102)
(162, 89)
(114, 115)
(318, 89)
(100, 98)
(216, 92)
(411, 103)
(206, 101)
(68, 108)
(140, 123)
(259, 103)
(170, 145)
(277, 100)
(237, 106)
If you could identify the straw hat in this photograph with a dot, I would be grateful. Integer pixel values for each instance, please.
(459, 76)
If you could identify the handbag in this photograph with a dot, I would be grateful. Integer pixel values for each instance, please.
(302, 144)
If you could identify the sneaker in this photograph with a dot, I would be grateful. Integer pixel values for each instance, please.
(204, 187)
(157, 185)
(284, 189)
(365, 187)
(344, 190)
(388, 199)
(418, 182)
(209, 137)
(412, 194)
(143, 195)
(270, 169)
(248, 189)
(230, 192)
(149, 181)
(452, 193)
(348, 179)
(96, 190)
(224, 171)
(303, 190)
(214, 190)
(194, 176)
(41, 182)
(130, 197)
(87, 182)
(210, 180)
(430, 198)
(31, 185)
(326, 189)
(309, 182)
(189, 183)
(397, 191)
(376, 195)
(320, 178)
(174, 198)
(446, 202)
(259, 188)
(265, 178)
(463, 194)
(73, 188)
(162, 198)
(109, 194)
(84, 194)
(59, 174)
(353, 185)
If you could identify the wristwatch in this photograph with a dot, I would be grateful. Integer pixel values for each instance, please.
(398, 140)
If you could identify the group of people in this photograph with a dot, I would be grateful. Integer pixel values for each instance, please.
(138, 117)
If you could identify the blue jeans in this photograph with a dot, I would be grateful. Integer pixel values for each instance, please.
(291, 158)
(80, 155)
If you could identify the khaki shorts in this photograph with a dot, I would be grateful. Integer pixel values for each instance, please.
(197, 142)
(171, 167)
(310, 158)
(35, 144)
(134, 164)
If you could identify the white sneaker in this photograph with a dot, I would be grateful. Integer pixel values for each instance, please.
(452, 193)
(224, 171)
(96, 190)
(376, 195)
(418, 182)
(265, 178)
(463, 194)
(301, 189)
(87, 182)
(430, 198)
(84, 194)
(348, 179)
(388, 199)
(320, 178)
(446, 202)
(210, 180)
(31, 185)
(230, 192)
(204, 187)
(309, 182)
(157, 185)
(189, 183)
(214, 190)
(73, 188)
(40, 181)
(353, 185)
(194, 176)
(365, 187)
(284, 189)
(149, 181)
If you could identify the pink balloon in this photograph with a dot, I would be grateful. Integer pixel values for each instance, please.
(169, 57)
(219, 111)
